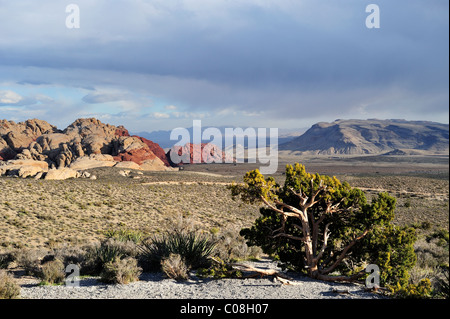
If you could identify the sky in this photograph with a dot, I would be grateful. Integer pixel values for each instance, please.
(160, 64)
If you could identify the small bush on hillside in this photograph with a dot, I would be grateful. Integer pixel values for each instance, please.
(121, 271)
(5, 260)
(175, 267)
(9, 289)
(219, 269)
(52, 272)
(30, 260)
(125, 235)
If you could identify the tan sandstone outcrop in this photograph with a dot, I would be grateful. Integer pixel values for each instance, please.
(23, 168)
(61, 174)
(93, 161)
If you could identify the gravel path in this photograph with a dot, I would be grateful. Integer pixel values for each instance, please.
(155, 286)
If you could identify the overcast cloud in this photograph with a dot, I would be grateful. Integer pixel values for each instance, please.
(159, 64)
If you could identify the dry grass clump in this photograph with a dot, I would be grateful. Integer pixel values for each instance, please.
(9, 289)
(231, 246)
(52, 272)
(121, 271)
(30, 260)
(175, 267)
(108, 251)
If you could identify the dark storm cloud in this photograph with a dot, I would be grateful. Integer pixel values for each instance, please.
(301, 58)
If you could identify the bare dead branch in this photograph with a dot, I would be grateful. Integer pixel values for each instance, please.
(344, 252)
(289, 236)
(353, 278)
(285, 280)
(291, 214)
(326, 235)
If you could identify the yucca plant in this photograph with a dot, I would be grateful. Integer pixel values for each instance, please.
(192, 247)
(443, 290)
(97, 256)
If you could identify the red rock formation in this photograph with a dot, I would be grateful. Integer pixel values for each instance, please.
(38, 140)
(156, 149)
(121, 131)
(136, 155)
(203, 153)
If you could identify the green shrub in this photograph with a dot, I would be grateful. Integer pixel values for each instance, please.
(218, 270)
(422, 290)
(9, 289)
(175, 267)
(121, 271)
(193, 248)
(442, 237)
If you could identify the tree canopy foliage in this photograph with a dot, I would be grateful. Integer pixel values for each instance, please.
(326, 228)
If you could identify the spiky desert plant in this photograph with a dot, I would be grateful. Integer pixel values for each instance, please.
(192, 247)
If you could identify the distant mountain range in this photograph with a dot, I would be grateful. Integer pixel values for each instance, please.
(373, 136)
(162, 137)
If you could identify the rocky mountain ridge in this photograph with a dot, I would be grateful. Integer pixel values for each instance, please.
(373, 136)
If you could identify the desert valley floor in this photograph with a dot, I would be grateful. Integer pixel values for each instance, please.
(40, 213)
(44, 214)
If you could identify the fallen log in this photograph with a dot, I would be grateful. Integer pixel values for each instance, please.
(285, 280)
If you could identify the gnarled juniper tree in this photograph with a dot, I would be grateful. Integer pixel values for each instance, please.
(326, 228)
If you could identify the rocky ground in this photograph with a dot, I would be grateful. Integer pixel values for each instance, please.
(155, 286)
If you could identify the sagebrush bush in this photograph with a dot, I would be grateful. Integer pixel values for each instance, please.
(175, 267)
(52, 272)
(9, 289)
(230, 246)
(192, 247)
(5, 260)
(121, 271)
(69, 254)
(30, 260)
